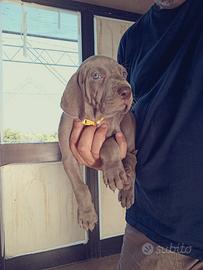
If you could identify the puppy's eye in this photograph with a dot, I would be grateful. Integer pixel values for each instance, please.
(125, 74)
(96, 76)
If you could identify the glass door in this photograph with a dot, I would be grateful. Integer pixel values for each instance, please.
(40, 52)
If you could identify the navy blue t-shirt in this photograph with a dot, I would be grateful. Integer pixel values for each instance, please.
(163, 54)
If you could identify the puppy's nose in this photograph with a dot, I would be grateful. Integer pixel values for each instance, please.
(124, 92)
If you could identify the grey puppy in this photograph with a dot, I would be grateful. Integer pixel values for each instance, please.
(99, 93)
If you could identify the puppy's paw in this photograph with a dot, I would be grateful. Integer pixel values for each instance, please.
(115, 177)
(87, 218)
(130, 178)
(126, 197)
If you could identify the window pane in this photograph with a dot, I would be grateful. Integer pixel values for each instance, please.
(39, 210)
(40, 52)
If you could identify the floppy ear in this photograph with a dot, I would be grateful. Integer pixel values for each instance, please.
(72, 101)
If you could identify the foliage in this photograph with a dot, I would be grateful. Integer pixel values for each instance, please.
(13, 136)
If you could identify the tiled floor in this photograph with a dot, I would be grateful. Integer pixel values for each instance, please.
(105, 263)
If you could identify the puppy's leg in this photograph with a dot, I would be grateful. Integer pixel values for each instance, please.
(112, 166)
(126, 195)
(129, 163)
(87, 216)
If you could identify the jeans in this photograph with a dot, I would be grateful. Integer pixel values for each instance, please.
(140, 253)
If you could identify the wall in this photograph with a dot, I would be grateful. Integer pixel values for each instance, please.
(138, 6)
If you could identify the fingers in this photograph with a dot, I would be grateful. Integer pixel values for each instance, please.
(85, 144)
(98, 140)
(121, 140)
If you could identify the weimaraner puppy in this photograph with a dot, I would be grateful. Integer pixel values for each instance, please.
(99, 93)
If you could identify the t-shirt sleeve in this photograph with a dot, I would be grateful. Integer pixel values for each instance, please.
(126, 52)
(121, 51)
(122, 57)
(129, 47)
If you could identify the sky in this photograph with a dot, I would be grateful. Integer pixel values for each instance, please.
(32, 90)
(40, 21)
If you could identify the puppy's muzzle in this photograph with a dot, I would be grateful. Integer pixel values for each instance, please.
(125, 92)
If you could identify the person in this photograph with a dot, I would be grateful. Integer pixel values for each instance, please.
(163, 54)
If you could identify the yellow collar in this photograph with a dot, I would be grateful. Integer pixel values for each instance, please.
(87, 122)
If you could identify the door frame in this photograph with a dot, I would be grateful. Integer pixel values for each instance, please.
(24, 153)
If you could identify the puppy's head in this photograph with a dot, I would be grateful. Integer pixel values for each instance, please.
(98, 89)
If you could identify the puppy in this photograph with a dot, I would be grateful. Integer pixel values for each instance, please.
(99, 93)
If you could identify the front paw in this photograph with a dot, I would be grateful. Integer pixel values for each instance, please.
(126, 197)
(115, 177)
(87, 218)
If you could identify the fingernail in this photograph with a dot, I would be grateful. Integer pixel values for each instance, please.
(119, 134)
(104, 126)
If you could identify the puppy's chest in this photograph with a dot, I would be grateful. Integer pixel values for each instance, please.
(113, 126)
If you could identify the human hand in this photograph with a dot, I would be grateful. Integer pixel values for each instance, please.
(86, 142)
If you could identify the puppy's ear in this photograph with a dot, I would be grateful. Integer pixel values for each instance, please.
(72, 101)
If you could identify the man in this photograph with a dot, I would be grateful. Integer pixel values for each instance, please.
(163, 54)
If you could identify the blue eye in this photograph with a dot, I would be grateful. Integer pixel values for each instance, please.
(96, 76)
